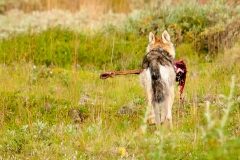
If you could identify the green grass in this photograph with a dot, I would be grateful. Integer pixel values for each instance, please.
(49, 111)
(57, 47)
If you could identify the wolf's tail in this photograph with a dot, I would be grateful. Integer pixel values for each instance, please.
(157, 85)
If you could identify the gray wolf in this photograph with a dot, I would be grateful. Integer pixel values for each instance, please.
(158, 77)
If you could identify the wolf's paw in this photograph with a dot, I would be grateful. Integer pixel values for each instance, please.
(151, 121)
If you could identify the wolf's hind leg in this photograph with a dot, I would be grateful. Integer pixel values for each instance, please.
(170, 104)
(164, 110)
(151, 115)
(156, 112)
(151, 119)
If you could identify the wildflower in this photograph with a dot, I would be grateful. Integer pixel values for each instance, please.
(122, 151)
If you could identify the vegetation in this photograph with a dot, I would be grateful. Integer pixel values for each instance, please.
(54, 106)
(108, 49)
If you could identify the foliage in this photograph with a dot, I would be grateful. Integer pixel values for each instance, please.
(56, 47)
(190, 22)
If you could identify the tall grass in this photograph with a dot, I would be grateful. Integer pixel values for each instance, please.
(57, 47)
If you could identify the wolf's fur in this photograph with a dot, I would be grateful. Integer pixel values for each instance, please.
(158, 76)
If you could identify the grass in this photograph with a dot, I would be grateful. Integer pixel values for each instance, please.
(107, 51)
(54, 106)
(53, 112)
(97, 5)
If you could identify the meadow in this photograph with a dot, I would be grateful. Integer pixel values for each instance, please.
(53, 105)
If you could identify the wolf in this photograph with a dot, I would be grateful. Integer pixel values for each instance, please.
(158, 77)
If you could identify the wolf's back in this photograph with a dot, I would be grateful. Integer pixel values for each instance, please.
(157, 85)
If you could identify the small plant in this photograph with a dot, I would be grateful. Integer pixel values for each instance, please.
(215, 134)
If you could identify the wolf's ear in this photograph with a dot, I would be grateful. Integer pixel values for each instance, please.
(165, 37)
(151, 38)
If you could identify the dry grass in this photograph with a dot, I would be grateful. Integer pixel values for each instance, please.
(97, 6)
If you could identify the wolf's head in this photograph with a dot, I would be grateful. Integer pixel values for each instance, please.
(163, 42)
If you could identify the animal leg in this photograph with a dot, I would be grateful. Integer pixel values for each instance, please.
(156, 112)
(170, 104)
(164, 110)
(151, 116)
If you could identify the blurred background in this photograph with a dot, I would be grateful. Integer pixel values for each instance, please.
(99, 6)
(203, 22)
